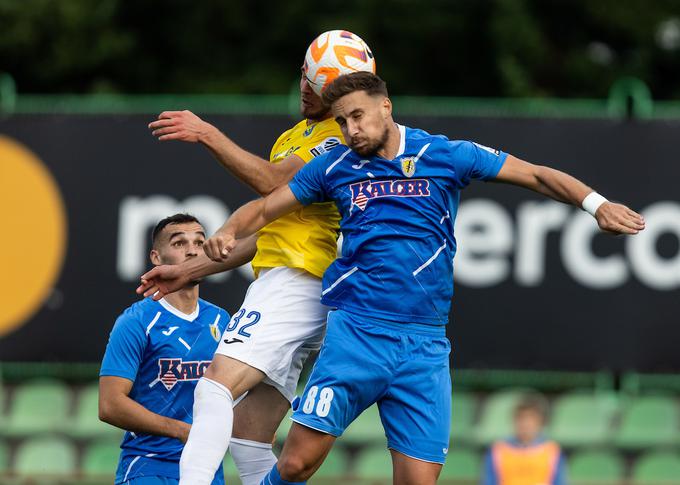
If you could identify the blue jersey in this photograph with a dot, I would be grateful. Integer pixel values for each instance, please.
(164, 352)
(397, 223)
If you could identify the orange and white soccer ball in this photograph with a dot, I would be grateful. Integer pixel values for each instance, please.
(333, 54)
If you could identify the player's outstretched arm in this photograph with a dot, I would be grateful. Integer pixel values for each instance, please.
(118, 409)
(249, 219)
(259, 174)
(610, 216)
(168, 278)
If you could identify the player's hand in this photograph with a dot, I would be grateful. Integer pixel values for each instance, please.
(162, 280)
(619, 219)
(219, 246)
(180, 125)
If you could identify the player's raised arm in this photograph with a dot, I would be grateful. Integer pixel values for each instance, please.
(168, 278)
(259, 174)
(610, 216)
(249, 219)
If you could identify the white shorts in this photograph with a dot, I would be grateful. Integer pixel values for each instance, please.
(280, 323)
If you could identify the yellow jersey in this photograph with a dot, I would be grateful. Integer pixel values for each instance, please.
(306, 238)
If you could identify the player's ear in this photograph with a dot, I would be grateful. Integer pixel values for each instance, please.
(386, 108)
(155, 257)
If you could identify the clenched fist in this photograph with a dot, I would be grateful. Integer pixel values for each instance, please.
(219, 246)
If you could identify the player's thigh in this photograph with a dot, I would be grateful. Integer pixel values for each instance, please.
(258, 415)
(303, 452)
(416, 411)
(353, 371)
(235, 375)
(280, 316)
(410, 471)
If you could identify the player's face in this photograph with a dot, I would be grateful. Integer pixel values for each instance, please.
(177, 243)
(528, 425)
(364, 121)
(311, 106)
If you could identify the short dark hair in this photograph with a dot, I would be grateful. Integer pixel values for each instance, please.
(349, 83)
(181, 218)
(535, 403)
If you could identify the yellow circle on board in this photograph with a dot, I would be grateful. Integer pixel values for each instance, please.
(33, 241)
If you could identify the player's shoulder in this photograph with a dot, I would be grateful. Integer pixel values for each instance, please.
(136, 314)
(211, 308)
(321, 137)
(418, 138)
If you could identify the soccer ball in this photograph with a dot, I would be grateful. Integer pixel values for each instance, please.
(333, 54)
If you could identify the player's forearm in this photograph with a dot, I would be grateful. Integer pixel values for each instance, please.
(250, 169)
(127, 414)
(560, 186)
(202, 266)
(246, 221)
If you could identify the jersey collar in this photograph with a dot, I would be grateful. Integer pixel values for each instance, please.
(402, 140)
(184, 316)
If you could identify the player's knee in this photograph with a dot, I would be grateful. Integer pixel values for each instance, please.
(294, 468)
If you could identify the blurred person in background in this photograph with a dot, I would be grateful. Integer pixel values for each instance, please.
(528, 457)
(156, 353)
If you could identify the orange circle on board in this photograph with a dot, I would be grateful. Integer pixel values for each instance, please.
(33, 241)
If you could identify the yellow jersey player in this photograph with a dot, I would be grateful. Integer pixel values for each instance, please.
(281, 321)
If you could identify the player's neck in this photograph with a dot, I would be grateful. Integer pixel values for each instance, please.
(316, 120)
(391, 147)
(185, 300)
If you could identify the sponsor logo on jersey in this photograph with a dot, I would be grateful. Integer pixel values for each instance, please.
(360, 165)
(408, 166)
(326, 146)
(233, 341)
(171, 371)
(363, 192)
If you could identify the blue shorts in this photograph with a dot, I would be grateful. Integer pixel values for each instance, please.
(152, 481)
(402, 367)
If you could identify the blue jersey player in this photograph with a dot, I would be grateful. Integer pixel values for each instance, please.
(156, 353)
(397, 190)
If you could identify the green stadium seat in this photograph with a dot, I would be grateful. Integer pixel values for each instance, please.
(45, 456)
(4, 458)
(496, 418)
(101, 458)
(657, 468)
(462, 464)
(336, 464)
(647, 422)
(37, 407)
(374, 463)
(596, 465)
(366, 429)
(86, 423)
(583, 419)
(463, 407)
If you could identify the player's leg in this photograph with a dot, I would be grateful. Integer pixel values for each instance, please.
(213, 414)
(280, 314)
(352, 372)
(410, 471)
(416, 410)
(256, 419)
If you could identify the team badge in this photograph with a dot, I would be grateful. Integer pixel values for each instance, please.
(408, 166)
(215, 332)
(309, 130)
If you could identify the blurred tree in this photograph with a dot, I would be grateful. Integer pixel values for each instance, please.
(566, 48)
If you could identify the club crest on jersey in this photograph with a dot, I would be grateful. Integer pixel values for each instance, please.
(363, 192)
(309, 130)
(171, 371)
(408, 166)
(215, 332)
